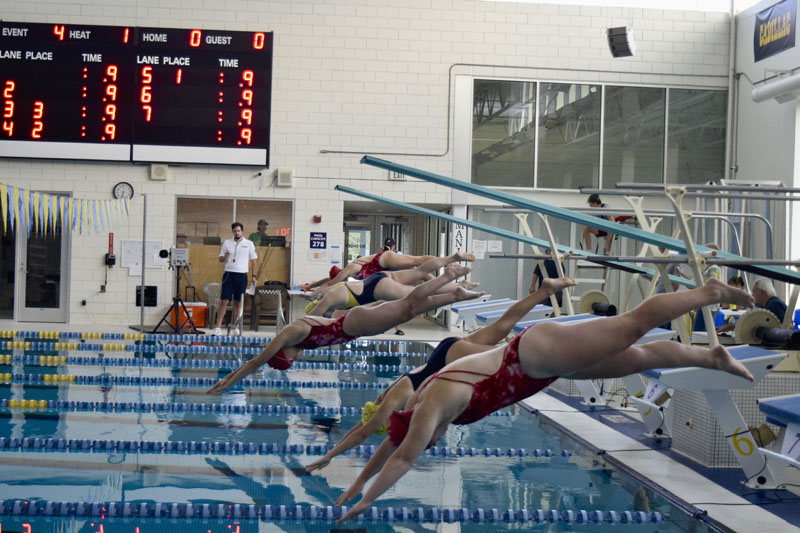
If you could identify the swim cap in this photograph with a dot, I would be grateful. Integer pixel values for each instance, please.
(398, 426)
(279, 361)
(333, 271)
(367, 412)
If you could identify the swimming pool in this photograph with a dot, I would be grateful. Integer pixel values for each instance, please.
(128, 441)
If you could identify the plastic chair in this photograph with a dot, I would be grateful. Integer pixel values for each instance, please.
(212, 291)
(268, 302)
(797, 319)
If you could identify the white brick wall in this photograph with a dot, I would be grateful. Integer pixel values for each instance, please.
(361, 76)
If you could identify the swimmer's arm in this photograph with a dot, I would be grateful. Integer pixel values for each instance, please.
(424, 422)
(350, 270)
(289, 336)
(374, 465)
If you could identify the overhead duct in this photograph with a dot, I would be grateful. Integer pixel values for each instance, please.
(782, 90)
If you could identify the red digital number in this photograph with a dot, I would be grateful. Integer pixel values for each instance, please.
(178, 76)
(9, 109)
(111, 72)
(111, 91)
(247, 76)
(146, 96)
(125, 35)
(59, 31)
(147, 74)
(247, 133)
(258, 41)
(111, 111)
(9, 89)
(36, 132)
(26, 528)
(247, 116)
(148, 111)
(8, 125)
(38, 109)
(194, 38)
(247, 96)
(111, 130)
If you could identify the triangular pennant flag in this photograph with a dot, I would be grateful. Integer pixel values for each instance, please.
(93, 216)
(12, 205)
(26, 210)
(54, 213)
(84, 215)
(107, 210)
(65, 202)
(4, 204)
(35, 201)
(127, 212)
(73, 213)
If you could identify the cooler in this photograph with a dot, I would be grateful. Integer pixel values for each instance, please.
(197, 312)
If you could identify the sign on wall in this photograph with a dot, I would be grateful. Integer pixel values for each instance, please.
(774, 30)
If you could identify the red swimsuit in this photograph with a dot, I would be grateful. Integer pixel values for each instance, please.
(508, 385)
(325, 335)
(320, 335)
(373, 267)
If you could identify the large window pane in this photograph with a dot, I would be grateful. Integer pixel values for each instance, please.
(696, 147)
(498, 277)
(502, 133)
(569, 136)
(634, 135)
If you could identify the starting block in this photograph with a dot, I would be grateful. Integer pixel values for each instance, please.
(537, 313)
(468, 312)
(715, 386)
(783, 411)
(479, 299)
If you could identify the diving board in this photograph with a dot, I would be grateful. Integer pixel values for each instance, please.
(468, 312)
(490, 317)
(480, 299)
(568, 250)
(771, 271)
(716, 386)
(783, 411)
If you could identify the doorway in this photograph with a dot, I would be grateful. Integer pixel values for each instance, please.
(32, 275)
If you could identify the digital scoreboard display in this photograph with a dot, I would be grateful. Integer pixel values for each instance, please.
(135, 94)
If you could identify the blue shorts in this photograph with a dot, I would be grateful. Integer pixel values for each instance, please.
(233, 285)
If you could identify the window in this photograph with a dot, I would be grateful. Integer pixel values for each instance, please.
(633, 142)
(569, 136)
(696, 146)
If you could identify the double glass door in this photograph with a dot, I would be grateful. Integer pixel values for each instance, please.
(33, 270)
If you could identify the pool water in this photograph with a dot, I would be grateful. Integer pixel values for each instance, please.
(148, 434)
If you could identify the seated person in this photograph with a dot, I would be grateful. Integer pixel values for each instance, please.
(765, 296)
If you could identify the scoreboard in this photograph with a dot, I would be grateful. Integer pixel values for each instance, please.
(135, 94)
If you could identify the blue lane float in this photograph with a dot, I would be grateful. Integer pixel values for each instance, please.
(226, 511)
(175, 407)
(181, 364)
(38, 444)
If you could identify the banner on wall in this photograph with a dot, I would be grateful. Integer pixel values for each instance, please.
(40, 213)
(774, 30)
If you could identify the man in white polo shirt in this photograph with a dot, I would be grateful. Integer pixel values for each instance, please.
(238, 254)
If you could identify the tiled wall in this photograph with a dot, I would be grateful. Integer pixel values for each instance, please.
(355, 76)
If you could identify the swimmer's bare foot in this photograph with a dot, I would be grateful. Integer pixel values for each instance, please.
(728, 294)
(464, 256)
(723, 360)
(456, 271)
(468, 284)
(463, 294)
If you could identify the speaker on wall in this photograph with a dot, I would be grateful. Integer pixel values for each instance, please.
(620, 41)
(283, 177)
(159, 172)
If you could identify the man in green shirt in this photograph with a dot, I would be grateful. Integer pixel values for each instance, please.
(259, 237)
